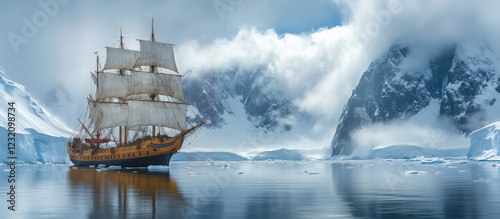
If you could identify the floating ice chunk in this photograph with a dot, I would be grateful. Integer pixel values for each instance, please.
(101, 166)
(158, 168)
(115, 167)
(437, 161)
(481, 180)
(415, 172)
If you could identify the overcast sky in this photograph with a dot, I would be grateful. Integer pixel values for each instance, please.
(49, 46)
(313, 51)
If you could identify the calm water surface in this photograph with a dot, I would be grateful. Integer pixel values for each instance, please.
(338, 189)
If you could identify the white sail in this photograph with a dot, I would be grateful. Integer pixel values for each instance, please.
(112, 86)
(120, 58)
(108, 115)
(138, 113)
(139, 97)
(146, 113)
(153, 83)
(94, 79)
(156, 54)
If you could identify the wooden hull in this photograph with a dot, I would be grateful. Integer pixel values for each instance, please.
(150, 151)
(162, 159)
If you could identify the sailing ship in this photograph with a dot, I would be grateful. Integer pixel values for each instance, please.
(137, 116)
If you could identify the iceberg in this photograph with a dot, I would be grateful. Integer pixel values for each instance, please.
(399, 152)
(281, 154)
(484, 143)
(412, 151)
(39, 137)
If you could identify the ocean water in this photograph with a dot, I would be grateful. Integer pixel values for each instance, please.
(267, 189)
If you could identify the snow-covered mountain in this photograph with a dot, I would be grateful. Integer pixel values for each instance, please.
(461, 78)
(213, 91)
(39, 136)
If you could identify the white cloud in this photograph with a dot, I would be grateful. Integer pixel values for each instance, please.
(313, 70)
(319, 70)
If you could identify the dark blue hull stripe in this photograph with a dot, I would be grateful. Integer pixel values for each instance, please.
(162, 159)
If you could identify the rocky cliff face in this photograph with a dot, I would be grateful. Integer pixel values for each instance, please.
(461, 77)
(212, 92)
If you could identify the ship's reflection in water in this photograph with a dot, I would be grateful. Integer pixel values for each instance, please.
(127, 193)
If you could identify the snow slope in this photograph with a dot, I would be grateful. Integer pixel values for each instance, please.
(39, 136)
(485, 142)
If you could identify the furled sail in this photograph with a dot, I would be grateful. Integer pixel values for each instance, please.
(156, 54)
(112, 86)
(108, 115)
(138, 113)
(127, 86)
(153, 83)
(120, 58)
(166, 114)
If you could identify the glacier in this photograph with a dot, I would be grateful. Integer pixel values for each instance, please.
(40, 137)
(485, 142)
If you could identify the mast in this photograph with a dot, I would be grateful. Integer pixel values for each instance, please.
(152, 30)
(121, 73)
(98, 134)
(121, 39)
(153, 67)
